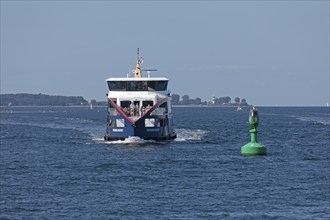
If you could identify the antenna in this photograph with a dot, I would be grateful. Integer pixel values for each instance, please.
(149, 71)
(137, 72)
(139, 59)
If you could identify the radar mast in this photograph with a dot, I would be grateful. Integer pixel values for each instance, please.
(138, 73)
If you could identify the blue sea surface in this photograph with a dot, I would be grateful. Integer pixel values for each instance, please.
(54, 164)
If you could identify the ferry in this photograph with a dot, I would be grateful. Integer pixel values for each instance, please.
(139, 106)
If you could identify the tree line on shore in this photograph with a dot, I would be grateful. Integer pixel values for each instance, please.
(221, 101)
(24, 99)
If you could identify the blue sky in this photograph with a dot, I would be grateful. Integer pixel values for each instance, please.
(270, 53)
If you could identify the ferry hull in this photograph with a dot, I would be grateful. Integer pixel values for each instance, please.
(147, 126)
(155, 133)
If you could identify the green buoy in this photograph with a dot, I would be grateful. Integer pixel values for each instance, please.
(254, 147)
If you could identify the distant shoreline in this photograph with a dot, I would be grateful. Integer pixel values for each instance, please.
(27, 99)
(174, 106)
(51, 106)
(210, 106)
(57, 101)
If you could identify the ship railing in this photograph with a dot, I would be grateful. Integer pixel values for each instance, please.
(157, 111)
(160, 111)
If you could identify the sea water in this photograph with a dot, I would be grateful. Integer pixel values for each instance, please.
(54, 164)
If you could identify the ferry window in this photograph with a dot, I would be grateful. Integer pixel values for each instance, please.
(147, 103)
(124, 104)
(149, 122)
(131, 86)
(141, 86)
(157, 85)
(117, 85)
(120, 122)
(137, 86)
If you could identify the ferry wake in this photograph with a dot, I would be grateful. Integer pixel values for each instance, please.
(139, 106)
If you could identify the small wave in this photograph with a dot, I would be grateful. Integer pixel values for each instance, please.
(44, 125)
(189, 134)
(130, 140)
(315, 120)
(182, 135)
(98, 139)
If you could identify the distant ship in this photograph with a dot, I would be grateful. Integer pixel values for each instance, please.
(139, 106)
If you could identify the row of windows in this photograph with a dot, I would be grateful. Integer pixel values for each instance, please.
(137, 85)
(148, 122)
(137, 108)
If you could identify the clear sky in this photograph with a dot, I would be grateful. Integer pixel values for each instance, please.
(270, 53)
